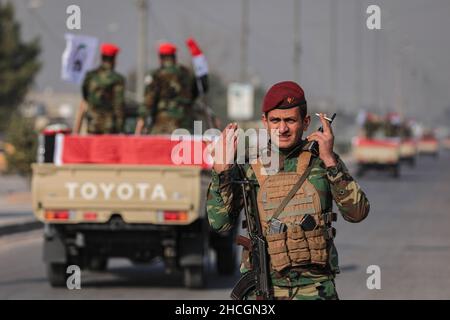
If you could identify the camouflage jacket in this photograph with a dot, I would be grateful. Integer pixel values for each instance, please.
(104, 91)
(170, 89)
(224, 204)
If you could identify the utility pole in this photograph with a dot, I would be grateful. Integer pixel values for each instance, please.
(297, 45)
(244, 42)
(333, 52)
(142, 6)
(399, 101)
(376, 72)
(358, 54)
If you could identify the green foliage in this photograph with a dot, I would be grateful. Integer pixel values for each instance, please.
(18, 64)
(22, 136)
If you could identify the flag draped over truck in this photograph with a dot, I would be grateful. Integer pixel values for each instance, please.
(122, 149)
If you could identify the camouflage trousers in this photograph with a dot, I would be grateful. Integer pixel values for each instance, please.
(101, 122)
(164, 123)
(325, 290)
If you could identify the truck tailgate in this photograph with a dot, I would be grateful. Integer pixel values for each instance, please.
(90, 193)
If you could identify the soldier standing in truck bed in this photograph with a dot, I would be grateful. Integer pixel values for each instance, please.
(103, 93)
(169, 95)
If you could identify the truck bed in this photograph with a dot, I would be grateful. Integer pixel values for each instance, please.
(376, 151)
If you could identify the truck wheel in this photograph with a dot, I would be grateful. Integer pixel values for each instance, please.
(194, 277)
(98, 264)
(226, 260)
(412, 162)
(56, 274)
(360, 171)
(396, 171)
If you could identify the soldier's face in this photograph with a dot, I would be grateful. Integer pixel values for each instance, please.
(287, 125)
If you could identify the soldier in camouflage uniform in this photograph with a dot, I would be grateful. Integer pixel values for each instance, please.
(104, 94)
(169, 95)
(285, 111)
(371, 125)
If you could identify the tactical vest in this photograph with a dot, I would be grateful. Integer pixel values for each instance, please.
(294, 247)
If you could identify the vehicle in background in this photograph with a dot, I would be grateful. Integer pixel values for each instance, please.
(408, 151)
(408, 145)
(2, 157)
(428, 145)
(446, 143)
(378, 145)
(377, 154)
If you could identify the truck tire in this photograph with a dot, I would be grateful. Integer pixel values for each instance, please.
(56, 274)
(396, 171)
(194, 277)
(361, 170)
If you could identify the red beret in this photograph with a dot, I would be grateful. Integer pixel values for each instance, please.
(167, 49)
(283, 95)
(109, 49)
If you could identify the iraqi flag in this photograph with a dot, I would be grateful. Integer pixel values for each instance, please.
(78, 57)
(198, 58)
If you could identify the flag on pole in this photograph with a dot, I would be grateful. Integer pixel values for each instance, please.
(78, 57)
(201, 73)
(198, 58)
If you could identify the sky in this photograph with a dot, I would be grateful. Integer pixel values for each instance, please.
(404, 66)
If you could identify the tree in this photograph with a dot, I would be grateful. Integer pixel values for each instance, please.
(18, 64)
(22, 136)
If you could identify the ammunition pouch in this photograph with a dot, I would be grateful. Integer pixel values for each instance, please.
(278, 251)
(298, 246)
(317, 243)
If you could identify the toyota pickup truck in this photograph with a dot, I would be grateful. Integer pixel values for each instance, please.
(376, 153)
(428, 145)
(110, 196)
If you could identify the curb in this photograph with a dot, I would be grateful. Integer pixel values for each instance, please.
(20, 227)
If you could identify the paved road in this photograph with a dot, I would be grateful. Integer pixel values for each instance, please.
(406, 235)
(22, 276)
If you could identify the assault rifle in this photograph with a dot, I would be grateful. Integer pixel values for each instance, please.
(258, 278)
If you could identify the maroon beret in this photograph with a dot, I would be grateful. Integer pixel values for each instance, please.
(283, 95)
